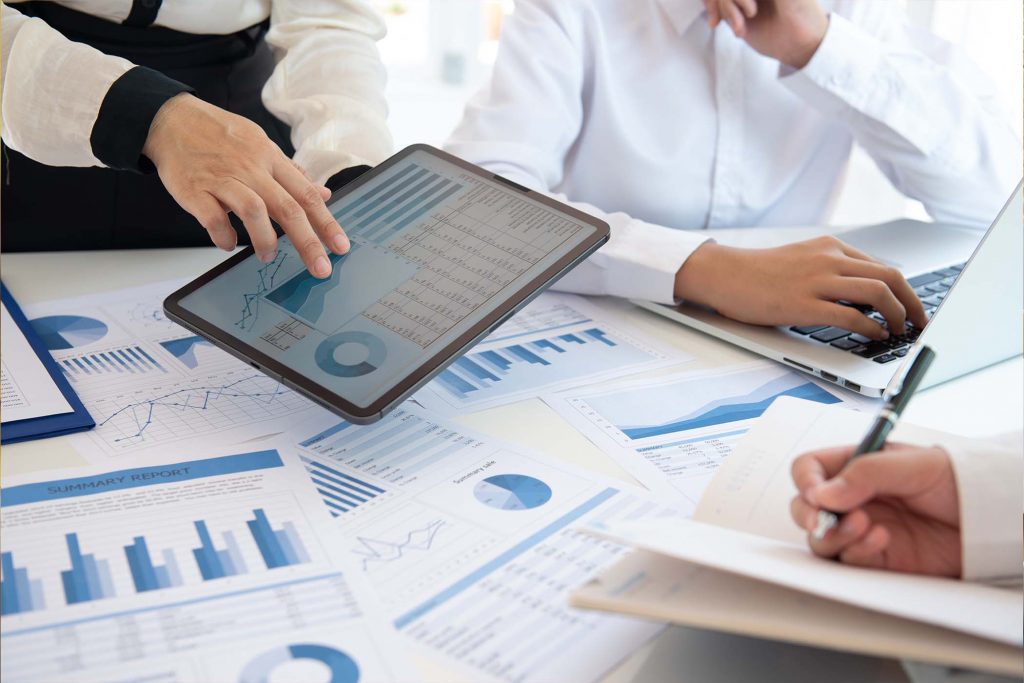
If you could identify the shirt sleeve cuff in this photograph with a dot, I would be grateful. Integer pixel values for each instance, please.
(125, 115)
(991, 504)
(843, 73)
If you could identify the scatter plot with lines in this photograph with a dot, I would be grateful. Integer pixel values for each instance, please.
(264, 282)
(378, 550)
(167, 413)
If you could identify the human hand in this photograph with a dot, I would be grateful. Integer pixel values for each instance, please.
(901, 508)
(787, 30)
(212, 162)
(799, 284)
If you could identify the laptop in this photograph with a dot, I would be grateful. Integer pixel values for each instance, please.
(969, 280)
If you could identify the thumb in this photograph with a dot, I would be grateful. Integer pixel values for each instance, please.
(897, 472)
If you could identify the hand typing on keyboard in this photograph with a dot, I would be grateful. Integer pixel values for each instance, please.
(932, 287)
(821, 283)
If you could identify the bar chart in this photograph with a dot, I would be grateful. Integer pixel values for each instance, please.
(341, 492)
(18, 592)
(100, 575)
(214, 562)
(395, 203)
(89, 578)
(146, 575)
(479, 371)
(127, 360)
(279, 547)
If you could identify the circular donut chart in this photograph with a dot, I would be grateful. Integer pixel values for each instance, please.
(342, 668)
(60, 332)
(512, 492)
(374, 350)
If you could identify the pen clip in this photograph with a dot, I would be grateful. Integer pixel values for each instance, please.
(895, 385)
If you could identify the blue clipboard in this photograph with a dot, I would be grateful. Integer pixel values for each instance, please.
(48, 425)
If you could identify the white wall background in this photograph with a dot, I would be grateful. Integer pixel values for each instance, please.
(439, 52)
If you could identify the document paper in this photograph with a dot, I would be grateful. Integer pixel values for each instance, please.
(558, 342)
(149, 383)
(742, 526)
(672, 434)
(472, 544)
(27, 390)
(220, 567)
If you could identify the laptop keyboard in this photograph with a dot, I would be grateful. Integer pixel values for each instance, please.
(930, 287)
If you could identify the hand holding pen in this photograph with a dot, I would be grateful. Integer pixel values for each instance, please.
(898, 507)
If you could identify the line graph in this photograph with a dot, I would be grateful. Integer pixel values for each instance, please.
(376, 550)
(188, 409)
(264, 282)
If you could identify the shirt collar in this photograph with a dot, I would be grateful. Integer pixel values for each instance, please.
(682, 13)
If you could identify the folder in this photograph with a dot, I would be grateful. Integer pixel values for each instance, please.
(74, 419)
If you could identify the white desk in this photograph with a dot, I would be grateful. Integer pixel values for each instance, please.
(986, 403)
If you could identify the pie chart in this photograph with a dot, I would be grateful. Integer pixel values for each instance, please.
(367, 352)
(512, 492)
(336, 666)
(68, 331)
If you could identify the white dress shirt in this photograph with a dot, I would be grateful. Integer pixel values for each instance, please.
(639, 113)
(328, 84)
(989, 480)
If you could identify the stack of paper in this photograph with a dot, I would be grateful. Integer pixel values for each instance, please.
(742, 565)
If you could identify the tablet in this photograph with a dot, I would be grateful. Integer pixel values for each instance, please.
(442, 253)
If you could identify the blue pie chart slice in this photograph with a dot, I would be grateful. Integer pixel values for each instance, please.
(60, 332)
(341, 667)
(512, 492)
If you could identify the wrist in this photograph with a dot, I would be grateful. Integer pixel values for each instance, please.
(806, 40)
(696, 279)
(164, 123)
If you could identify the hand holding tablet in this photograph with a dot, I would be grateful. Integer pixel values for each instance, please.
(442, 253)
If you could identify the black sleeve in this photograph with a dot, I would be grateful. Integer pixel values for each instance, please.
(344, 177)
(125, 115)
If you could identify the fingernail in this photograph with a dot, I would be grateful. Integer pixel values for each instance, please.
(340, 244)
(321, 267)
(267, 256)
(885, 334)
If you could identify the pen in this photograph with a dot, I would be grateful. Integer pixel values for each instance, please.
(896, 399)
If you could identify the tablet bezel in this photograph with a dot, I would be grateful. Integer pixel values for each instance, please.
(430, 367)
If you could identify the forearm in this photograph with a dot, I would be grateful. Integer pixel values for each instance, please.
(329, 83)
(67, 104)
(933, 127)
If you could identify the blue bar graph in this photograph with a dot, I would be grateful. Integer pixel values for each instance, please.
(88, 579)
(215, 563)
(279, 548)
(18, 593)
(146, 575)
(130, 360)
(556, 357)
(341, 492)
(392, 204)
(361, 201)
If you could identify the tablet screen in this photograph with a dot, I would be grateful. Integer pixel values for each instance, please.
(436, 248)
